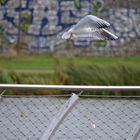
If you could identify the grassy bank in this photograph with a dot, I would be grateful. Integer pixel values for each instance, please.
(74, 71)
(48, 62)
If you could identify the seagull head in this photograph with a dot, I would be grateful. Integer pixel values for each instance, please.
(68, 34)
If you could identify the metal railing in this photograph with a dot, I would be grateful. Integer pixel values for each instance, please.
(70, 87)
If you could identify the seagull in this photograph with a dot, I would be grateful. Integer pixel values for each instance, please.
(91, 27)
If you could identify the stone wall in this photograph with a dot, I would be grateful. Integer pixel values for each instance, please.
(42, 22)
(122, 3)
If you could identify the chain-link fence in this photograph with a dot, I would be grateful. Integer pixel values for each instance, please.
(27, 118)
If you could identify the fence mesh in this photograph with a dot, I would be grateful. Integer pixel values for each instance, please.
(27, 118)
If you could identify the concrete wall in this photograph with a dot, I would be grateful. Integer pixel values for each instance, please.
(43, 21)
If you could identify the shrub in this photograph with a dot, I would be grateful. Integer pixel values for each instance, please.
(4, 77)
(79, 74)
(97, 74)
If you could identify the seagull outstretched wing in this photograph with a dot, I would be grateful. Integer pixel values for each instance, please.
(101, 34)
(90, 27)
(91, 21)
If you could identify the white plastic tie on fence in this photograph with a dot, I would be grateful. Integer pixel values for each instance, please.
(62, 113)
(2, 94)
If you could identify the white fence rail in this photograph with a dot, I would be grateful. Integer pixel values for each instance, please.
(70, 87)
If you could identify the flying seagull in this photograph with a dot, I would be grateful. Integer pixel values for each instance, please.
(90, 27)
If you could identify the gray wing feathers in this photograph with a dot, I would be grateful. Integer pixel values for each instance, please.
(91, 21)
(108, 35)
(101, 34)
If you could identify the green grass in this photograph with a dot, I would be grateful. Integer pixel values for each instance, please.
(105, 60)
(27, 62)
(47, 62)
(71, 71)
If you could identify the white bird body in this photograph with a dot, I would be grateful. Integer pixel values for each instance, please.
(90, 27)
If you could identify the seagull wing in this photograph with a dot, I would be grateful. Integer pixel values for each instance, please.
(91, 22)
(107, 35)
(90, 27)
(101, 34)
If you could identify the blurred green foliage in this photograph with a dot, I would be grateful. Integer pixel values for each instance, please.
(2, 36)
(74, 73)
(2, 1)
(25, 21)
(96, 6)
(10, 77)
(77, 3)
(99, 44)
